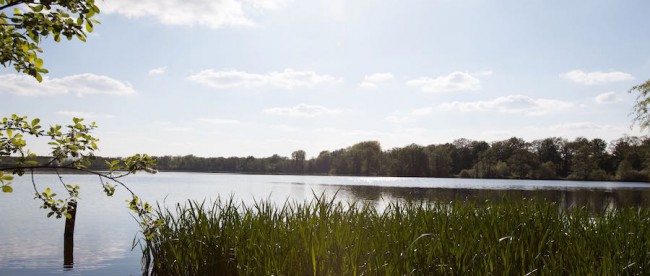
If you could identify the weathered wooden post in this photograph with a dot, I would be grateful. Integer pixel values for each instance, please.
(68, 235)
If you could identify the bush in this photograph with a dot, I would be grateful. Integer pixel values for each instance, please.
(466, 174)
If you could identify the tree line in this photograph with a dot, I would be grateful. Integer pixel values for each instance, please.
(624, 159)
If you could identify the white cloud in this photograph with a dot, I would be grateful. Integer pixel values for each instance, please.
(269, 4)
(455, 81)
(218, 121)
(605, 98)
(580, 126)
(591, 78)
(515, 104)
(209, 13)
(399, 118)
(302, 110)
(82, 114)
(286, 128)
(80, 84)
(372, 81)
(237, 79)
(496, 135)
(422, 111)
(178, 129)
(158, 71)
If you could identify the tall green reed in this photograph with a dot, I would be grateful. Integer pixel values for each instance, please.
(326, 236)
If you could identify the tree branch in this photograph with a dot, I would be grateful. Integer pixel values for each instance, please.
(9, 5)
(61, 180)
(56, 168)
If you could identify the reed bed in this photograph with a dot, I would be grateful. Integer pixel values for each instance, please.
(329, 237)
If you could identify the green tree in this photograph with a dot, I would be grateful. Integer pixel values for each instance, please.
(72, 148)
(486, 165)
(523, 163)
(323, 162)
(298, 158)
(586, 157)
(440, 161)
(24, 24)
(640, 110)
(365, 158)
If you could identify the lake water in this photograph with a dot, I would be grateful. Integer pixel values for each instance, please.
(31, 244)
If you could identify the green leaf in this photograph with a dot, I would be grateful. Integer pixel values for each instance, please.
(38, 63)
(36, 121)
(7, 189)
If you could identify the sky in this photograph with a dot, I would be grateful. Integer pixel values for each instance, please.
(260, 77)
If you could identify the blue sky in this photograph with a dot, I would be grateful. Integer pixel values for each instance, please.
(255, 77)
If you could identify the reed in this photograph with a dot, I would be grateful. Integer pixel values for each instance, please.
(329, 237)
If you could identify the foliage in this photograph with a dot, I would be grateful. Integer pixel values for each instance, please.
(23, 28)
(640, 111)
(328, 237)
(549, 158)
(72, 149)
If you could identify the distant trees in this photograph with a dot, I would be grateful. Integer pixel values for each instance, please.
(624, 159)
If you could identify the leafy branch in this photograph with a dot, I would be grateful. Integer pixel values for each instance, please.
(72, 148)
(22, 29)
(640, 110)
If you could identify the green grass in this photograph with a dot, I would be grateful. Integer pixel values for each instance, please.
(328, 237)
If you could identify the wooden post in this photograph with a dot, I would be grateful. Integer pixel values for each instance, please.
(68, 236)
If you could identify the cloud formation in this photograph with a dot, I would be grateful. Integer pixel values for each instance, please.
(82, 114)
(213, 14)
(158, 71)
(372, 81)
(80, 85)
(286, 79)
(606, 98)
(456, 81)
(302, 110)
(412, 116)
(513, 104)
(580, 126)
(218, 121)
(592, 78)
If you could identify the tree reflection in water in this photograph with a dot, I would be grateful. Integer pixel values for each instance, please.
(596, 200)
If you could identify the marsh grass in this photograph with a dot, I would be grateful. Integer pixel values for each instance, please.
(329, 237)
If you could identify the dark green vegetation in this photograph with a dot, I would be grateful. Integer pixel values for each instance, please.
(327, 237)
(624, 159)
(24, 24)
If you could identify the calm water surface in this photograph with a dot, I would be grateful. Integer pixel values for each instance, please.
(31, 244)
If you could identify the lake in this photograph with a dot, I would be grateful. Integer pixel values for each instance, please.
(31, 244)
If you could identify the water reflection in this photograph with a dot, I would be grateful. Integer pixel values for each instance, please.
(32, 244)
(597, 200)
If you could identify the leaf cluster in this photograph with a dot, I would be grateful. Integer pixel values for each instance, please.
(640, 110)
(25, 23)
(72, 148)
